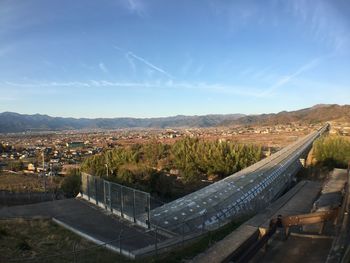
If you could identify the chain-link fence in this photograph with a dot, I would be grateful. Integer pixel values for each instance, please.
(131, 204)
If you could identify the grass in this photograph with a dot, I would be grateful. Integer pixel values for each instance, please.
(42, 240)
(26, 183)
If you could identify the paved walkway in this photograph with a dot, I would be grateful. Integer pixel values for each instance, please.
(87, 219)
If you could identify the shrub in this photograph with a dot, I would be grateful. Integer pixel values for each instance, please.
(71, 185)
(332, 151)
(23, 245)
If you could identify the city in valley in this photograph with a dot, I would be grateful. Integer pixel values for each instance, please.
(66, 149)
(24, 153)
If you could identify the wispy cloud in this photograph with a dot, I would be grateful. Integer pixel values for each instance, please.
(198, 70)
(131, 56)
(103, 67)
(5, 99)
(131, 62)
(135, 6)
(236, 13)
(187, 66)
(149, 64)
(161, 85)
(287, 78)
(326, 23)
(5, 50)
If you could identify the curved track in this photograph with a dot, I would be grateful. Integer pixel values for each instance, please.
(237, 195)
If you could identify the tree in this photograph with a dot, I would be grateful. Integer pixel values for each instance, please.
(195, 159)
(160, 184)
(16, 166)
(71, 183)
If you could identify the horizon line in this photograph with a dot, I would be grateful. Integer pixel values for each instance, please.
(177, 115)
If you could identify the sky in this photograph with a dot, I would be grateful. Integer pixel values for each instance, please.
(138, 58)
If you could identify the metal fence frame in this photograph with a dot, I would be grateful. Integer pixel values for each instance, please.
(126, 202)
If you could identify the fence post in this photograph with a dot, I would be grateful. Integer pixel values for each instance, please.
(110, 196)
(183, 233)
(104, 194)
(88, 186)
(156, 241)
(121, 202)
(96, 194)
(203, 223)
(103, 191)
(148, 211)
(133, 206)
(120, 241)
(74, 252)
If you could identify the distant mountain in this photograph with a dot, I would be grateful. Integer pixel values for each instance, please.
(315, 114)
(14, 122)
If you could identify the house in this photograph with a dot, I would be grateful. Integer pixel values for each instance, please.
(31, 167)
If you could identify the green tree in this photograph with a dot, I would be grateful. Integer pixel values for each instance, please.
(195, 159)
(71, 183)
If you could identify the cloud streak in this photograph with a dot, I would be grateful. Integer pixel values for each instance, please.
(131, 56)
(160, 85)
(288, 78)
(136, 7)
(149, 64)
(326, 23)
(103, 67)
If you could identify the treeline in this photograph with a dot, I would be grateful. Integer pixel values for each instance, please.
(332, 151)
(146, 166)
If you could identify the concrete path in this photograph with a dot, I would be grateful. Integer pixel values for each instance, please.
(87, 219)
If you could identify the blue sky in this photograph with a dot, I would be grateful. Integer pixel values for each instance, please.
(152, 58)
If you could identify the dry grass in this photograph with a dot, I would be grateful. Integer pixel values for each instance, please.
(44, 241)
(26, 183)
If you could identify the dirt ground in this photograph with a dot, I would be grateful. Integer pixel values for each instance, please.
(27, 183)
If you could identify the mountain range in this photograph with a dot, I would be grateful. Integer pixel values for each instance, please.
(15, 122)
(316, 114)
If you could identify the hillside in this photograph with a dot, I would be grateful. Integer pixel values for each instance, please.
(315, 114)
(14, 122)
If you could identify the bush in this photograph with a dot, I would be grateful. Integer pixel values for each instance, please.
(332, 151)
(23, 245)
(71, 185)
